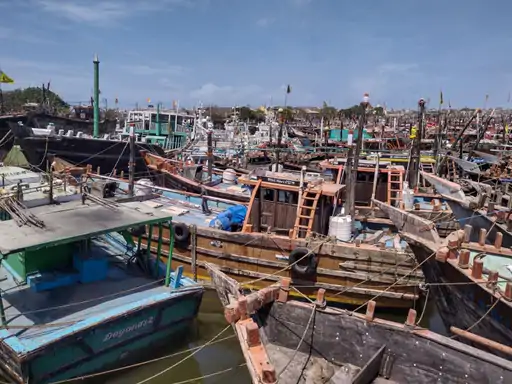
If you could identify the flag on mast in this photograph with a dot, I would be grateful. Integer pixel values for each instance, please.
(288, 89)
(441, 98)
(5, 79)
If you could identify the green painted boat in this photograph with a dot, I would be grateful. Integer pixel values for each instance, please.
(78, 295)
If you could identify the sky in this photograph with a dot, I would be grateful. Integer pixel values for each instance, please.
(245, 52)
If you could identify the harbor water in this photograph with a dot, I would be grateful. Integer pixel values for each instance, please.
(219, 362)
(223, 356)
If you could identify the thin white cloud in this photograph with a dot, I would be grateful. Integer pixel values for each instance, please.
(212, 93)
(16, 35)
(150, 70)
(106, 12)
(397, 67)
(300, 3)
(265, 21)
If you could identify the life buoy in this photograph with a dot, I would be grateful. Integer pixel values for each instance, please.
(181, 232)
(307, 265)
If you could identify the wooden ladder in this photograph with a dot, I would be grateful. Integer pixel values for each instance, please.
(427, 168)
(306, 212)
(395, 186)
(451, 168)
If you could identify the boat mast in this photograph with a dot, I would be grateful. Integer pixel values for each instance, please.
(353, 161)
(96, 63)
(414, 163)
(131, 167)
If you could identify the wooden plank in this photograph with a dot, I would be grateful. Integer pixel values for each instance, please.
(371, 370)
(251, 203)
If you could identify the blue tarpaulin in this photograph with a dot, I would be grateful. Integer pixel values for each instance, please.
(230, 217)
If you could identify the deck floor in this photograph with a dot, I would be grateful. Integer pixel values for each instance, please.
(124, 286)
(305, 369)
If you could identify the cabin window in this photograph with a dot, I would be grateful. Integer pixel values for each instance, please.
(163, 118)
(288, 197)
(268, 194)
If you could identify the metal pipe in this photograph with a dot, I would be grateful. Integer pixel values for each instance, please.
(169, 258)
(158, 250)
(148, 249)
(158, 119)
(2, 310)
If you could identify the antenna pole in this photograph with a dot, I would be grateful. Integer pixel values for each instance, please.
(131, 166)
(96, 131)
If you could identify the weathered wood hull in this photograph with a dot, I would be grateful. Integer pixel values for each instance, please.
(294, 342)
(350, 274)
(174, 181)
(461, 302)
(478, 220)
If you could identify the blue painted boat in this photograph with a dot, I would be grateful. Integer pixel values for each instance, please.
(79, 295)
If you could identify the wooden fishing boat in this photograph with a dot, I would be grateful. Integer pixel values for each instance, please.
(385, 181)
(284, 231)
(289, 342)
(485, 210)
(183, 175)
(79, 296)
(471, 282)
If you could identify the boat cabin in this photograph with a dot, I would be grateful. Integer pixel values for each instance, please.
(381, 178)
(289, 203)
(167, 128)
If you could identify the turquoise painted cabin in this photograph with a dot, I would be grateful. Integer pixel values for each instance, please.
(342, 135)
(78, 296)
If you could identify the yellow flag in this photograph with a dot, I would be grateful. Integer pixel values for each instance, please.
(149, 100)
(506, 129)
(5, 79)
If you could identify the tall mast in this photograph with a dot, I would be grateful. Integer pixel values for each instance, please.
(353, 160)
(414, 163)
(131, 166)
(96, 62)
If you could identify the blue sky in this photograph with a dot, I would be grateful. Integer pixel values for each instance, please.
(243, 52)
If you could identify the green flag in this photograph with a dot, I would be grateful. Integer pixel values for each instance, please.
(5, 79)
(441, 98)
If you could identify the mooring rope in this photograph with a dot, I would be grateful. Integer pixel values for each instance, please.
(186, 357)
(311, 317)
(311, 251)
(395, 283)
(142, 363)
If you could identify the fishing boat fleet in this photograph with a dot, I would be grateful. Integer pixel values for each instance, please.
(306, 233)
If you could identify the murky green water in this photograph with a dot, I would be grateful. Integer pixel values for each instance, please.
(213, 358)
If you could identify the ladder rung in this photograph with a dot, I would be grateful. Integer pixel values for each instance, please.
(305, 207)
(302, 226)
(309, 198)
(305, 217)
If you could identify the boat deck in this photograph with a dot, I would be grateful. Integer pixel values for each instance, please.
(74, 307)
(187, 210)
(38, 318)
(237, 189)
(184, 210)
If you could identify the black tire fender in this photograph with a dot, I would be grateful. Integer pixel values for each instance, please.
(181, 232)
(307, 264)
